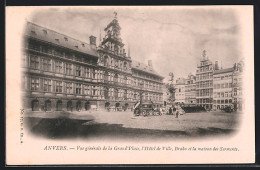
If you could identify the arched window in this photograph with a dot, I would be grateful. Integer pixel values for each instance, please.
(116, 93)
(107, 104)
(59, 105)
(106, 76)
(106, 61)
(235, 91)
(125, 94)
(116, 78)
(87, 105)
(125, 65)
(35, 105)
(47, 105)
(117, 104)
(125, 80)
(69, 106)
(106, 92)
(78, 106)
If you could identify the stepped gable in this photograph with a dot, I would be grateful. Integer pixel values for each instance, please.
(38, 32)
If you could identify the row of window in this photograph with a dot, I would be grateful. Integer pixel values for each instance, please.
(204, 84)
(146, 84)
(115, 63)
(147, 76)
(206, 68)
(49, 85)
(223, 77)
(113, 47)
(222, 94)
(62, 87)
(205, 92)
(190, 87)
(204, 100)
(222, 101)
(67, 68)
(220, 106)
(56, 51)
(204, 76)
(223, 85)
(57, 66)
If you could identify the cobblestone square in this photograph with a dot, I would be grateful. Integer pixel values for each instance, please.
(103, 124)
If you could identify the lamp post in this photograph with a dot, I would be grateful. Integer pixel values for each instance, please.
(171, 89)
(141, 95)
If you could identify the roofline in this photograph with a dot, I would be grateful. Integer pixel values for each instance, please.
(96, 56)
(148, 72)
(59, 33)
(224, 71)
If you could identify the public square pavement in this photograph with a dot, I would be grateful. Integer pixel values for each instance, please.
(121, 125)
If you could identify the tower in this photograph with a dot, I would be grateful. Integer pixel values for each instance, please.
(112, 40)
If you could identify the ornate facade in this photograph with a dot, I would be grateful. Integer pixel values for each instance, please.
(190, 90)
(204, 81)
(180, 91)
(238, 86)
(62, 73)
(222, 91)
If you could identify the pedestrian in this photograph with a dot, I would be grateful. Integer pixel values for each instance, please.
(170, 111)
(177, 114)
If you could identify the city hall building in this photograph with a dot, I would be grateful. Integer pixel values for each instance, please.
(63, 73)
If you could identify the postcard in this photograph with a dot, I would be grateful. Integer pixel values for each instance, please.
(129, 85)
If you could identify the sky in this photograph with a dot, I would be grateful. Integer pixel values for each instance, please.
(172, 37)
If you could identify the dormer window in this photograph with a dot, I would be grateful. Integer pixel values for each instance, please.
(76, 46)
(65, 38)
(44, 31)
(83, 45)
(33, 32)
(57, 40)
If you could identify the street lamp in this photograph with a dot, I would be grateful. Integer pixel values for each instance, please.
(141, 95)
(171, 89)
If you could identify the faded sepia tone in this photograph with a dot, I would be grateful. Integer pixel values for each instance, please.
(192, 65)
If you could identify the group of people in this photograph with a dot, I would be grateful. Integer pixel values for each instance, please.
(173, 110)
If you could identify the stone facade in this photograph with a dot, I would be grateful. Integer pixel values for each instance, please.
(62, 73)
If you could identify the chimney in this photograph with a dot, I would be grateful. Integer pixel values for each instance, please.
(216, 65)
(92, 40)
(150, 64)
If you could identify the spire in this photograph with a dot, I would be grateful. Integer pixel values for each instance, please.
(204, 54)
(100, 36)
(129, 51)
